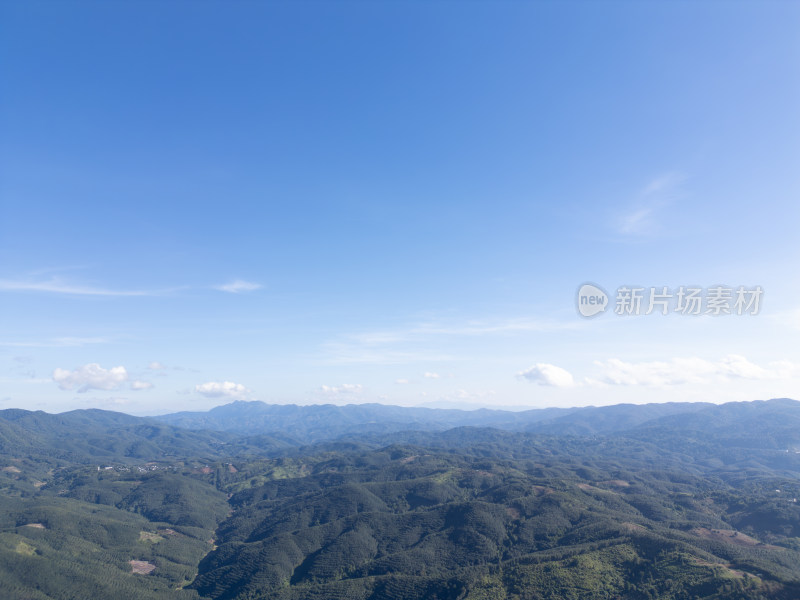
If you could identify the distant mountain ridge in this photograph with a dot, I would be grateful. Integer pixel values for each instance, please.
(258, 428)
(308, 424)
(314, 422)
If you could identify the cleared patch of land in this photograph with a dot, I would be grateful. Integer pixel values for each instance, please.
(25, 549)
(729, 535)
(726, 567)
(141, 567)
(147, 536)
(617, 483)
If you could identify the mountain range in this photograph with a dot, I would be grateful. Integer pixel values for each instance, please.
(251, 501)
(314, 423)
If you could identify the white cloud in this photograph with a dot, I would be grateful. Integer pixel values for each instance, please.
(141, 385)
(345, 388)
(401, 381)
(429, 375)
(545, 374)
(224, 389)
(638, 221)
(57, 286)
(346, 354)
(787, 318)
(656, 373)
(493, 327)
(79, 341)
(415, 343)
(677, 371)
(463, 399)
(61, 342)
(428, 330)
(734, 365)
(156, 366)
(90, 377)
(663, 184)
(26, 380)
(238, 286)
(641, 218)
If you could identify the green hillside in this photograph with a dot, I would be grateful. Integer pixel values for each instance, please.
(701, 504)
(408, 522)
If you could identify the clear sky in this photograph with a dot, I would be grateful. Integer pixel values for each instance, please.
(346, 202)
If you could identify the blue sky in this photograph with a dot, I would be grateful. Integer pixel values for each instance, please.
(393, 202)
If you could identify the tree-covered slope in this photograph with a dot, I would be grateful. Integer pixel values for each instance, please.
(104, 505)
(61, 548)
(570, 520)
(666, 503)
(90, 436)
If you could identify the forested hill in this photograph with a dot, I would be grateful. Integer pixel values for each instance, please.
(97, 435)
(659, 502)
(308, 424)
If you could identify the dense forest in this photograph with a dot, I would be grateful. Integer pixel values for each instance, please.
(635, 502)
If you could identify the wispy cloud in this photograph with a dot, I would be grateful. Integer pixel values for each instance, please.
(58, 286)
(787, 318)
(692, 370)
(473, 328)
(238, 286)
(642, 217)
(463, 399)
(25, 380)
(665, 373)
(60, 342)
(549, 375)
(429, 375)
(414, 343)
(343, 353)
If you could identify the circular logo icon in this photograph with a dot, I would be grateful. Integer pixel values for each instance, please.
(591, 300)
